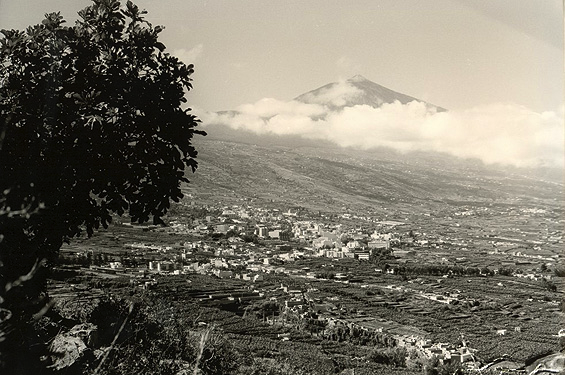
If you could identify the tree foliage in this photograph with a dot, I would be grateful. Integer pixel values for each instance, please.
(91, 124)
(435, 367)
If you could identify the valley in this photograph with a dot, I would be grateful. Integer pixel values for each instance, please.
(336, 259)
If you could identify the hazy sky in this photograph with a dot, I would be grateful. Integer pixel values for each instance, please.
(496, 65)
(454, 53)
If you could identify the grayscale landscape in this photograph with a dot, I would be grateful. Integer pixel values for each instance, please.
(332, 225)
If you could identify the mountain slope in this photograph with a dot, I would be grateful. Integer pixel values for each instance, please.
(330, 178)
(357, 90)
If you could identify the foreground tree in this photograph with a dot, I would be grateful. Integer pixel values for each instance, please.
(91, 124)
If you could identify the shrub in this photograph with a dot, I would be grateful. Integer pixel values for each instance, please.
(559, 271)
(390, 356)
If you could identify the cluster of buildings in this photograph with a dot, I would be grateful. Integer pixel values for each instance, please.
(256, 241)
(247, 244)
(284, 237)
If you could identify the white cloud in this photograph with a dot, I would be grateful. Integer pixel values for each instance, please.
(498, 133)
(189, 56)
(269, 107)
(337, 94)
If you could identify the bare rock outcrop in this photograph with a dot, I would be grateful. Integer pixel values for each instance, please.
(551, 364)
(71, 349)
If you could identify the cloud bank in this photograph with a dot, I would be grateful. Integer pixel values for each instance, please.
(505, 134)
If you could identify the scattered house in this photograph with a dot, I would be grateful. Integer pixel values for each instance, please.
(116, 265)
(362, 255)
(461, 357)
(353, 244)
(222, 228)
(229, 214)
(334, 237)
(293, 303)
(165, 266)
(262, 231)
(161, 266)
(218, 263)
(333, 253)
(340, 276)
(223, 273)
(149, 284)
(274, 233)
(401, 253)
(321, 242)
(287, 256)
(379, 244)
(285, 236)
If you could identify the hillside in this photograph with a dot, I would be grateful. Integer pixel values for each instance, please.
(329, 178)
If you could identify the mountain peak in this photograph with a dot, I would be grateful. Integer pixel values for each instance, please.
(358, 90)
(357, 78)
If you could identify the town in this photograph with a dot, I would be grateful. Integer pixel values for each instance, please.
(481, 297)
